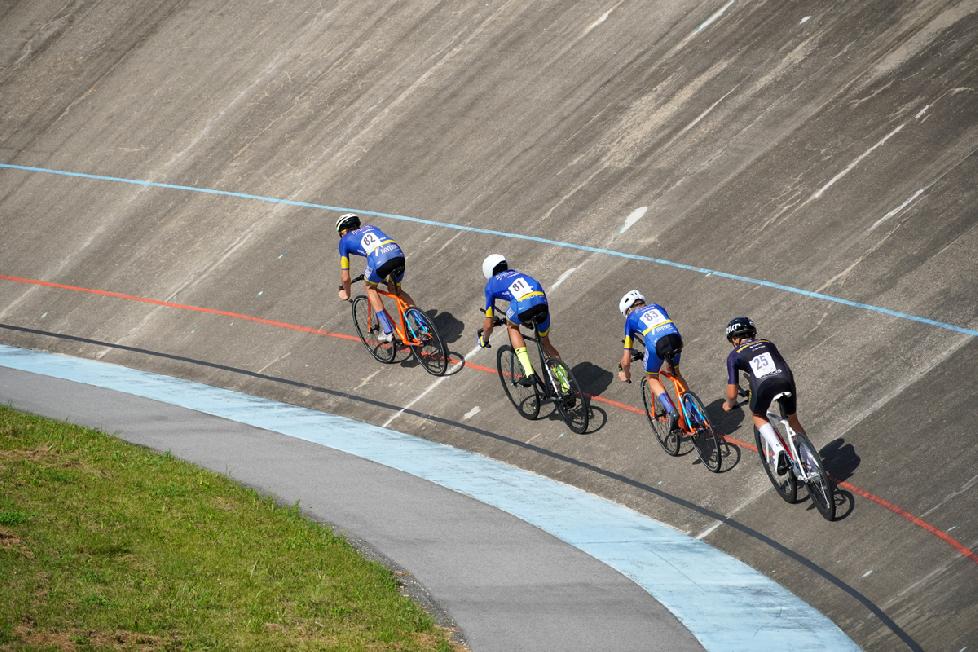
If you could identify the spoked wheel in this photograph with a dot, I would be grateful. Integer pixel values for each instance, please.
(572, 404)
(659, 420)
(368, 328)
(820, 485)
(786, 485)
(705, 438)
(526, 399)
(432, 353)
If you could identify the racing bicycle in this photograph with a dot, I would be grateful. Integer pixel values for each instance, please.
(413, 330)
(692, 422)
(805, 464)
(554, 383)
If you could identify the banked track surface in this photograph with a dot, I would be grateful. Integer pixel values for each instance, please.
(825, 148)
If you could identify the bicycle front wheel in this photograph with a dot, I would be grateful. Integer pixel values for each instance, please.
(572, 404)
(368, 328)
(659, 421)
(525, 398)
(786, 485)
(821, 488)
(705, 438)
(431, 351)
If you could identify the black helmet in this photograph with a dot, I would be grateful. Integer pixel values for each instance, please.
(740, 327)
(347, 221)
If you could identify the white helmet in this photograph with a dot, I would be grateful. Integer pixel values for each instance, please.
(490, 263)
(629, 299)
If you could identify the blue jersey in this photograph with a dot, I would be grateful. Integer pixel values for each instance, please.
(649, 322)
(513, 286)
(372, 243)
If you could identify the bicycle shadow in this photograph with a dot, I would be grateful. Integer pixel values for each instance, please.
(597, 418)
(726, 422)
(841, 461)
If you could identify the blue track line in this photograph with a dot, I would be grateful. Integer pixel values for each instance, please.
(725, 604)
(706, 271)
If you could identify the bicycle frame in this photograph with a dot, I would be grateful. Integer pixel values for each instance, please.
(789, 446)
(679, 383)
(400, 324)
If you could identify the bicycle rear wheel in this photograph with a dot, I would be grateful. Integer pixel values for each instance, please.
(432, 353)
(705, 438)
(821, 488)
(368, 328)
(659, 421)
(786, 485)
(526, 399)
(572, 404)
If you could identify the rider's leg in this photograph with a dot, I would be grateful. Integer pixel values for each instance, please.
(661, 395)
(774, 449)
(653, 363)
(548, 347)
(795, 423)
(397, 289)
(519, 347)
(378, 306)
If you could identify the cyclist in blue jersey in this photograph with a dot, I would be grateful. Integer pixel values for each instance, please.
(651, 323)
(385, 264)
(768, 375)
(527, 305)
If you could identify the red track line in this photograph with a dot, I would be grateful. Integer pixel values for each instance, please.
(882, 502)
(180, 306)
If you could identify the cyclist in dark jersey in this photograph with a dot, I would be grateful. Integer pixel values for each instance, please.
(768, 375)
(385, 264)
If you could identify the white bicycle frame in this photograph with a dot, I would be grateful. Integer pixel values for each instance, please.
(787, 436)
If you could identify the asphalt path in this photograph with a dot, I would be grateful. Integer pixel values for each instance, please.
(505, 584)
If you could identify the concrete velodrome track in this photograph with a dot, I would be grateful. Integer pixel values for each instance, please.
(170, 174)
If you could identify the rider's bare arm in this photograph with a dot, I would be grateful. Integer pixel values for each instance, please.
(624, 373)
(345, 284)
(731, 397)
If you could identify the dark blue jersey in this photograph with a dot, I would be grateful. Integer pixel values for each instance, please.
(760, 360)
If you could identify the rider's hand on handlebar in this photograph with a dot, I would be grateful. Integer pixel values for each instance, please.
(483, 342)
(344, 295)
(624, 375)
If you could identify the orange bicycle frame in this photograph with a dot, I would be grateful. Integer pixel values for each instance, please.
(400, 324)
(681, 388)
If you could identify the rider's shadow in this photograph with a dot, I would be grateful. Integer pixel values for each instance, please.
(449, 327)
(591, 378)
(840, 459)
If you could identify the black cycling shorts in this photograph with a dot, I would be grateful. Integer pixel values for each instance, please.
(668, 346)
(537, 315)
(393, 267)
(761, 397)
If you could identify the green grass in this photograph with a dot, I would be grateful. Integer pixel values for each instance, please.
(108, 545)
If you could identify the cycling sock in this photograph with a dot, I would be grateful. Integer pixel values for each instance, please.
(524, 359)
(771, 437)
(666, 402)
(385, 321)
